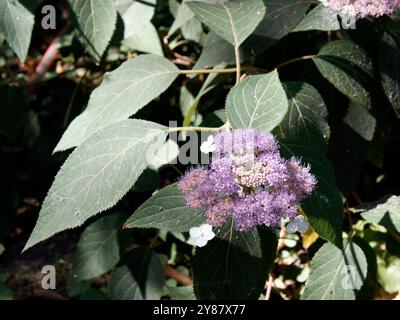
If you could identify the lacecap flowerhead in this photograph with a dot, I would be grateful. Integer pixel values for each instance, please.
(247, 181)
(363, 8)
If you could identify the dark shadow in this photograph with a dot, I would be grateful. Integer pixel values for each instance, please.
(141, 263)
(234, 265)
(359, 276)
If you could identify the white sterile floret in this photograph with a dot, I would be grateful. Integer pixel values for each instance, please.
(208, 146)
(298, 224)
(199, 236)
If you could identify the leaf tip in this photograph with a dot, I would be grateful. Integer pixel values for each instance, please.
(29, 244)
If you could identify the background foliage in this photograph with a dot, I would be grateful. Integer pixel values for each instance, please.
(108, 80)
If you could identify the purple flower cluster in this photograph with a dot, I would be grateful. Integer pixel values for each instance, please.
(248, 181)
(363, 8)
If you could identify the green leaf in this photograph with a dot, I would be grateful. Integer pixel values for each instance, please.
(173, 7)
(76, 287)
(234, 265)
(385, 212)
(149, 180)
(166, 154)
(122, 93)
(389, 67)
(346, 66)
(95, 21)
(222, 115)
(189, 103)
(389, 273)
(186, 21)
(5, 292)
(12, 111)
(140, 278)
(181, 293)
(271, 29)
(93, 294)
(192, 30)
(233, 20)
(96, 175)
(289, 11)
(166, 210)
(257, 102)
(215, 51)
(306, 118)
(361, 121)
(320, 18)
(215, 119)
(140, 34)
(182, 15)
(336, 274)
(16, 24)
(324, 207)
(99, 249)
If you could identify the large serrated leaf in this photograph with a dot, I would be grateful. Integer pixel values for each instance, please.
(348, 67)
(16, 24)
(181, 293)
(233, 20)
(183, 17)
(140, 278)
(95, 21)
(139, 32)
(279, 11)
(389, 67)
(215, 51)
(385, 211)
(282, 16)
(191, 28)
(234, 265)
(122, 93)
(306, 118)
(98, 250)
(257, 102)
(324, 207)
(336, 274)
(96, 175)
(320, 18)
(361, 121)
(166, 210)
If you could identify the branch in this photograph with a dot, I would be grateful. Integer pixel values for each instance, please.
(284, 64)
(238, 71)
(198, 129)
(172, 273)
(207, 71)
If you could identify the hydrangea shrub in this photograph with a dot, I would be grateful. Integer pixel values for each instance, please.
(283, 154)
